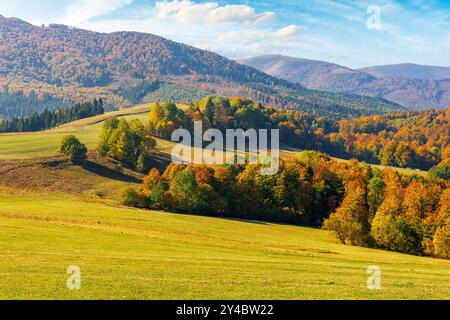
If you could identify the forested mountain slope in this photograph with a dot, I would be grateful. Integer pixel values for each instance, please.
(73, 64)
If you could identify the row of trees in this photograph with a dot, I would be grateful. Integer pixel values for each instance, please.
(408, 140)
(362, 205)
(296, 194)
(52, 119)
(128, 142)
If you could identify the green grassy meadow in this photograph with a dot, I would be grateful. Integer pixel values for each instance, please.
(133, 254)
(53, 215)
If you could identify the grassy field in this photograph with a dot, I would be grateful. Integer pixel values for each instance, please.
(133, 254)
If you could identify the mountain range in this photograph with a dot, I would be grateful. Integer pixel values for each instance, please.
(412, 86)
(125, 68)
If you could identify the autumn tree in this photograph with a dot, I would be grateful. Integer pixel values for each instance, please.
(154, 190)
(293, 191)
(123, 146)
(155, 117)
(351, 220)
(403, 155)
(388, 155)
(188, 195)
(441, 240)
(105, 141)
(384, 230)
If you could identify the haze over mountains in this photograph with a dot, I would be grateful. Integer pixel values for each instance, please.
(409, 70)
(412, 86)
(129, 67)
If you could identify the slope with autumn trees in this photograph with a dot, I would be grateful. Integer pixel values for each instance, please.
(419, 140)
(362, 205)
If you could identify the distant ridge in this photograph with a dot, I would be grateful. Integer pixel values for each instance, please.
(412, 86)
(409, 70)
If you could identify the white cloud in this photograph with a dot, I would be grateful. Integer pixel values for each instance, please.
(185, 11)
(231, 13)
(266, 17)
(244, 43)
(258, 35)
(232, 30)
(83, 10)
(288, 32)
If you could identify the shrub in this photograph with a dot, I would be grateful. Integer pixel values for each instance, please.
(130, 197)
(73, 149)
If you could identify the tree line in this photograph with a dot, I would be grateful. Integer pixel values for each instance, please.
(51, 119)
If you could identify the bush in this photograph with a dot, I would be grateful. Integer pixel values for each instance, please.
(130, 197)
(73, 149)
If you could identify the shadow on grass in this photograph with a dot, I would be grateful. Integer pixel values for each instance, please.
(106, 172)
(159, 160)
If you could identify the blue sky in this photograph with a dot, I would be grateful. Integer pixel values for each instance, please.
(416, 31)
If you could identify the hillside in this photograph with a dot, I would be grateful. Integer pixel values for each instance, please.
(127, 67)
(414, 87)
(100, 178)
(309, 73)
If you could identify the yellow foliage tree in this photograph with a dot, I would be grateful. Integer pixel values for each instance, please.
(351, 220)
(155, 117)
